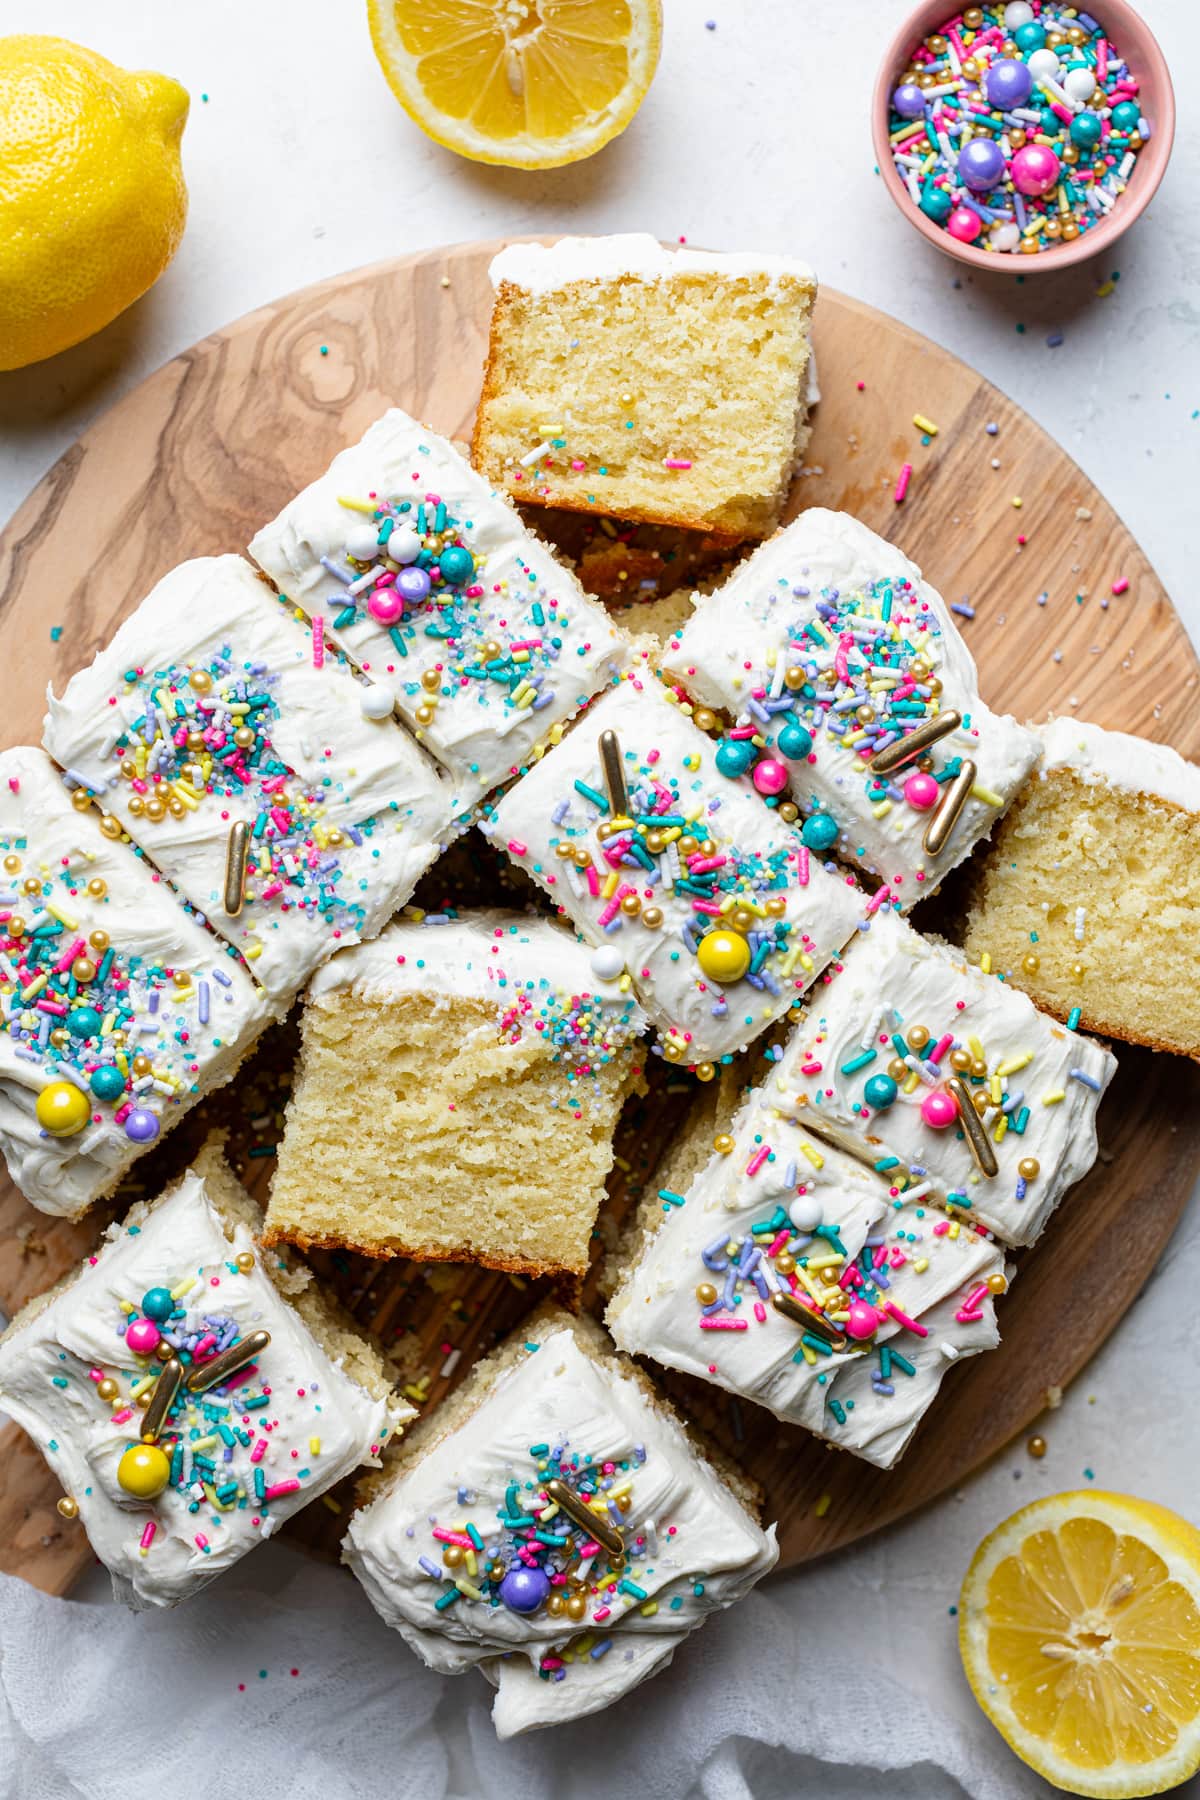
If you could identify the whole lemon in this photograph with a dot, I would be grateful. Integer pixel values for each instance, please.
(92, 197)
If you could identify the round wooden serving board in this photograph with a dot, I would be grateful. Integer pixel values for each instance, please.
(209, 448)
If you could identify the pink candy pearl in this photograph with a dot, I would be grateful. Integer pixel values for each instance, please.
(921, 792)
(861, 1320)
(964, 225)
(770, 777)
(1034, 169)
(142, 1336)
(939, 1109)
(386, 605)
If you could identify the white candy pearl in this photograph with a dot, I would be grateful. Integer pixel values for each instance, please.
(1080, 84)
(607, 963)
(1017, 13)
(362, 543)
(404, 546)
(377, 702)
(1043, 65)
(1005, 237)
(806, 1212)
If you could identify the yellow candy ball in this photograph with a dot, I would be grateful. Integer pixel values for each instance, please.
(63, 1109)
(144, 1471)
(723, 956)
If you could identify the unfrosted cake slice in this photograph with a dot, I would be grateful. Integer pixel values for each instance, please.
(849, 687)
(795, 1275)
(650, 384)
(951, 1072)
(679, 873)
(190, 1392)
(555, 1526)
(428, 580)
(253, 769)
(459, 1085)
(118, 1010)
(1089, 899)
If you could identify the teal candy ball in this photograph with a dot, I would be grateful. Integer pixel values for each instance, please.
(820, 832)
(794, 741)
(1086, 130)
(734, 756)
(880, 1091)
(936, 204)
(1125, 115)
(457, 564)
(157, 1304)
(1029, 37)
(84, 1022)
(107, 1082)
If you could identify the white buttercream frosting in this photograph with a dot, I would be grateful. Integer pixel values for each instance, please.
(541, 268)
(670, 773)
(518, 644)
(346, 813)
(1047, 1079)
(737, 1215)
(690, 1547)
(1132, 764)
(225, 1444)
(163, 989)
(827, 597)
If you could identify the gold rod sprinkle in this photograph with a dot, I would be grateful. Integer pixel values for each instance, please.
(235, 867)
(978, 1141)
(614, 774)
(953, 799)
(794, 1309)
(581, 1514)
(165, 1390)
(927, 733)
(221, 1367)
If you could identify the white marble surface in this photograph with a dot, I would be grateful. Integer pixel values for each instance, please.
(300, 164)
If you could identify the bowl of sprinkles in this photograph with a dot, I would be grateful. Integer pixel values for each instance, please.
(1023, 129)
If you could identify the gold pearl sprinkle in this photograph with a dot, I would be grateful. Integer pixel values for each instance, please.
(1036, 1448)
(68, 1508)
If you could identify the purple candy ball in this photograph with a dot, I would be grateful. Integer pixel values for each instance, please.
(909, 101)
(413, 583)
(524, 1589)
(981, 164)
(141, 1125)
(1008, 84)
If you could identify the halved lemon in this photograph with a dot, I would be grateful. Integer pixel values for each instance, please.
(1079, 1631)
(528, 83)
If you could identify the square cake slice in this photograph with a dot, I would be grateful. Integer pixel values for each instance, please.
(253, 769)
(429, 581)
(648, 384)
(1089, 899)
(459, 1085)
(191, 1392)
(953, 1073)
(794, 1274)
(849, 672)
(554, 1525)
(118, 1010)
(681, 875)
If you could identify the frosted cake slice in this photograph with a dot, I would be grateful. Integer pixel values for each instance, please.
(626, 379)
(483, 1065)
(1089, 899)
(118, 1010)
(687, 881)
(431, 584)
(554, 1525)
(190, 1393)
(851, 688)
(253, 769)
(911, 1045)
(799, 1277)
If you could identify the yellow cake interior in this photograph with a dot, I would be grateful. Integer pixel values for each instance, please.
(1131, 862)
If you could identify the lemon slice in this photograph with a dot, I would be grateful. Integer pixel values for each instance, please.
(529, 83)
(1080, 1636)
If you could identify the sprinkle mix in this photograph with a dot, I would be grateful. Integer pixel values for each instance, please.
(1016, 127)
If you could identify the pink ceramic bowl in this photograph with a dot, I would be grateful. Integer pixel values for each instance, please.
(1139, 47)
